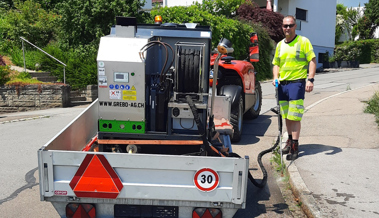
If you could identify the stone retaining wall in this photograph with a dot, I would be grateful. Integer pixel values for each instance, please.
(33, 97)
(90, 93)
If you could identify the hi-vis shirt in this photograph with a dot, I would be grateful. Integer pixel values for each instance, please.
(293, 58)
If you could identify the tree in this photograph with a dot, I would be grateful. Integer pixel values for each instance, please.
(85, 21)
(271, 20)
(372, 16)
(28, 20)
(346, 21)
(364, 29)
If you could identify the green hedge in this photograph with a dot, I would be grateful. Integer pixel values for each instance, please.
(368, 50)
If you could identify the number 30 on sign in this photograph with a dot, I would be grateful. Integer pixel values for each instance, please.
(206, 179)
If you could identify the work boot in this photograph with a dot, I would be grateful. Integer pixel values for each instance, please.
(294, 152)
(287, 148)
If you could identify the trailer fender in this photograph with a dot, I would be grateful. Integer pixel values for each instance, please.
(233, 91)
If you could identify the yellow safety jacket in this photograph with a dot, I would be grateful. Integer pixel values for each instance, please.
(293, 58)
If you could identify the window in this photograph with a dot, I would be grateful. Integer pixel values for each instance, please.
(321, 57)
(301, 14)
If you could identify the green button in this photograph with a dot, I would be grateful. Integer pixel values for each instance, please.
(132, 74)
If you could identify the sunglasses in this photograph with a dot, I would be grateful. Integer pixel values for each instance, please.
(289, 25)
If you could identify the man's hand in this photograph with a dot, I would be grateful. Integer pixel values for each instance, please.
(273, 82)
(275, 72)
(309, 86)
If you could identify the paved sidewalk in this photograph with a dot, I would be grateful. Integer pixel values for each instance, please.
(336, 174)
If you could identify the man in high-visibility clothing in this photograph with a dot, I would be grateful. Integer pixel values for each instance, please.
(292, 56)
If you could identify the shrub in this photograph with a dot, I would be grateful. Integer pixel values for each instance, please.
(367, 51)
(23, 82)
(32, 56)
(373, 106)
(271, 20)
(81, 64)
(5, 72)
(263, 66)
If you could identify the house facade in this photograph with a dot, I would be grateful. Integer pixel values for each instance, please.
(315, 20)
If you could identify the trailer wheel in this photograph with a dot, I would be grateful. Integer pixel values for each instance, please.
(253, 112)
(236, 119)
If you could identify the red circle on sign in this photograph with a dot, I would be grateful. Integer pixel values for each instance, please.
(206, 189)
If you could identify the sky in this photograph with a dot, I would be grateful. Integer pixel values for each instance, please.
(352, 3)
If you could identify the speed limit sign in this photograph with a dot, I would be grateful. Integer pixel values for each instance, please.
(206, 179)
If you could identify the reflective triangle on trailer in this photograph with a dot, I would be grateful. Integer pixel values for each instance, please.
(96, 178)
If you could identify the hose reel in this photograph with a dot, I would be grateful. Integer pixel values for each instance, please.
(189, 68)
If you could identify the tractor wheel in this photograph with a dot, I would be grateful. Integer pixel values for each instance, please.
(236, 119)
(253, 112)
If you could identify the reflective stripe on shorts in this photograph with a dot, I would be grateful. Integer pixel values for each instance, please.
(292, 110)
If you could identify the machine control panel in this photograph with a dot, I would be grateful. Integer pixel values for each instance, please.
(121, 77)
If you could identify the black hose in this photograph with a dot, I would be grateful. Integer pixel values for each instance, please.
(200, 127)
(146, 47)
(263, 183)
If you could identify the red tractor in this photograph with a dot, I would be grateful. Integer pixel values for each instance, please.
(237, 79)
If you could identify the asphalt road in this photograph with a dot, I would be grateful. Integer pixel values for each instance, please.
(19, 191)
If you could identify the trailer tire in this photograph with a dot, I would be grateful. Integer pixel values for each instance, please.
(254, 111)
(236, 119)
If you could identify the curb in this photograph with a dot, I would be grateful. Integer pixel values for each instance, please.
(299, 188)
(24, 119)
(301, 191)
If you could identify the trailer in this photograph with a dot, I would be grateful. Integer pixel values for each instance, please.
(156, 142)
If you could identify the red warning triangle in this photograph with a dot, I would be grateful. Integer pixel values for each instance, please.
(96, 178)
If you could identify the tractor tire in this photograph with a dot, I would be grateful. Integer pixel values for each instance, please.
(236, 119)
(253, 112)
